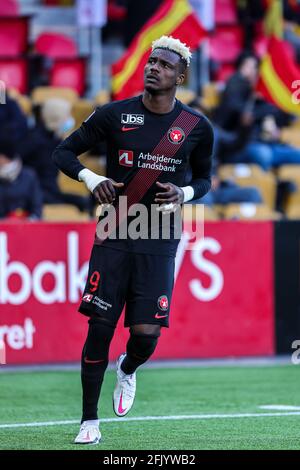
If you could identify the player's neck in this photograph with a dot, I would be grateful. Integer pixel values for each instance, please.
(160, 104)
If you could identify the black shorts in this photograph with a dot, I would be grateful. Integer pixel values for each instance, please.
(144, 282)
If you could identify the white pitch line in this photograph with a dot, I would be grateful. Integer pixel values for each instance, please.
(154, 418)
(280, 407)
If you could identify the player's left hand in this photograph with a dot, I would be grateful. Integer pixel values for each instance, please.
(172, 193)
(170, 199)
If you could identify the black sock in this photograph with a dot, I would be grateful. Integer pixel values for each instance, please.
(94, 362)
(139, 349)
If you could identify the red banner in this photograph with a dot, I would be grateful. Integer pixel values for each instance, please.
(222, 303)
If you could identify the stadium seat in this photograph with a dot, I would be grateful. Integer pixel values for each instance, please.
(68, 185)
(102, 97)
(224, 73)
(185, 95)
(41, 94)
(23, 101)
(82, 110)
(225, 12)
(251, 175)
(210, 95)
(13, 36)
(226, 43)
(291, 135)
(9, 8)
(14, 73)
(56, 46)
(63, 213)
(69, 73)
(248, 211)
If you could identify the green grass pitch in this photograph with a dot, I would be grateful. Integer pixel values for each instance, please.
(27, 397)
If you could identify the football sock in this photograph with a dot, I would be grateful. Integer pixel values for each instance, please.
(94, 362)
(139, 349)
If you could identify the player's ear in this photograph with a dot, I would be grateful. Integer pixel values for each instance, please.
(180, 79)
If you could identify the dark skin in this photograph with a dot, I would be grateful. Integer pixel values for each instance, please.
(162, 74)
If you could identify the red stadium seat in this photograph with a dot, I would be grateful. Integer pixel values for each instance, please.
(14, 73)
(56, 46)
(9, 8)
(226, 43)
(224, 73)
(70, 74)
(225, 12)
(13, 36)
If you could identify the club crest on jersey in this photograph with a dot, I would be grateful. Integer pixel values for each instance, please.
(176, 135)
(163, 303)
(126, 157)
(137, 119)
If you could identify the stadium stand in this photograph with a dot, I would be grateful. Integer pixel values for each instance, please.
(63, 213)
(225, 11)
(56, 46)
(41, 94)
(69, 73)
(9, 8)
(251, 175)
(248, 211)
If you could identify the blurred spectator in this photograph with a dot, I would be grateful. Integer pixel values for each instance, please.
(226, 191)
(243, 113)
(249, 12)
(20, 193)
(13, 122)
(55, 121)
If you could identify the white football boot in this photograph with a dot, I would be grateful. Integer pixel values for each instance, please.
(124, 391)
(89, 433)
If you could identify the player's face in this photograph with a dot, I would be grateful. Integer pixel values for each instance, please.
(162, 71)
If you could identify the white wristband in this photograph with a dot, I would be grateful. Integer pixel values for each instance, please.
(188, 192)
(90, 178)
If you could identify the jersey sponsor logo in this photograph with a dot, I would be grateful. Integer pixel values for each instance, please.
(163, 303)
(126, 157)
(87, 298)
(159, 317)
(176, 135)
(125, 129)
(133, 119)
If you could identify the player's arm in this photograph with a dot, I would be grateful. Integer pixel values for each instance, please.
(201, 165)
(65, 156)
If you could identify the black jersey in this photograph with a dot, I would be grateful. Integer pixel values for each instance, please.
(144, 147)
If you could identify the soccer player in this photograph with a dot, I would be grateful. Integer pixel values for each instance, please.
(151, 140)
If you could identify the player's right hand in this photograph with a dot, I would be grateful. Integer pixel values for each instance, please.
(105, 192)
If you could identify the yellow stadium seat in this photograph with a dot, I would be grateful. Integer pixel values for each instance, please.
(249, 211)
(291, 136)
(81, 110)
(68, 185)
(63, 213)
(102, 97)
(41, 94)
(210, 96)
(293, 211)
(251, 175)
(191, 211)
(185, 95)
(23, 101)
